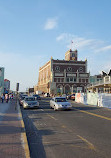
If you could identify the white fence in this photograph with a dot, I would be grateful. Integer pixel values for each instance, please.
(97, 99)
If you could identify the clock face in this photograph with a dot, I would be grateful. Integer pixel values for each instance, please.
(57, 68)
(69, 69)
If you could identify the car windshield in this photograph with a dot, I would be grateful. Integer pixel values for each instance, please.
(60, 100)
(30, 99)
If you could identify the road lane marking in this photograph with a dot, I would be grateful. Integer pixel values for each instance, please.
(52, 117)
(77, 146)
(103, 117)
(90, 145)
(23, 134)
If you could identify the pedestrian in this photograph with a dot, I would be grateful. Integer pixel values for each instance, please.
(12, 97)
(2, 97)
(6, 98)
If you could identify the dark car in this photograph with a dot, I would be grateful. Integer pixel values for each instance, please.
(37, 97)
(73, 96)
(68, 97)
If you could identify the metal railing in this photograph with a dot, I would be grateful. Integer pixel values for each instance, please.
(99, 83)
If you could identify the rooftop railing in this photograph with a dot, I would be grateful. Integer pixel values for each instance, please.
(106, 80)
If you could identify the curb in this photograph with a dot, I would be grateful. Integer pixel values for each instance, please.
(25, 142)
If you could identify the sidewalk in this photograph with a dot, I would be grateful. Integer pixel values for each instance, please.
(13, 141)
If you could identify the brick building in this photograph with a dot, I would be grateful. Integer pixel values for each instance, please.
(63, 76)
(6, 85)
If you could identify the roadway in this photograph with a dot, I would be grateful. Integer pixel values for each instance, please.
(83, 132)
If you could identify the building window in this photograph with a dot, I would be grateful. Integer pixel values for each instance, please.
(71, 79)
(74, 79)
(73, 55)
(58, 79)
(67, 79)
(62, 79)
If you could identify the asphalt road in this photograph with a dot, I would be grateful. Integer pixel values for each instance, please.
(83, 132)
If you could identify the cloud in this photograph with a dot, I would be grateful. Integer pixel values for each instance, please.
(51, 23)
(93, 49)
(82, 43)
(61, 37)
(104, 49)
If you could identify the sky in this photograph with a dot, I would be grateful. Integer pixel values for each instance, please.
(31, 31)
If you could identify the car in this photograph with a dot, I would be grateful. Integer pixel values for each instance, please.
(30, 102)
(73, 96)
(68, 97)
(37, 97)
(60, 103)
(22, 97)
(64, 95)
(46, 95)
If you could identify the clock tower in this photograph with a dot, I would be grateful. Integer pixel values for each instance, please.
(71, 55)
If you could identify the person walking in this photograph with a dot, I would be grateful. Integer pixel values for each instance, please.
(2, 97)
(6, 98)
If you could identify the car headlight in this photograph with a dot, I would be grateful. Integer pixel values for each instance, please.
(25, 104)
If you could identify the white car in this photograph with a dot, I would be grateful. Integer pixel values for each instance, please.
(46, 95)
(60, 103)
(30, 102)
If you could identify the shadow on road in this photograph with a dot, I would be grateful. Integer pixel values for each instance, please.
(85, 108)
(35, 137)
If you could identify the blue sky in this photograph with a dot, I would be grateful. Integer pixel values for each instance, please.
(33, 31)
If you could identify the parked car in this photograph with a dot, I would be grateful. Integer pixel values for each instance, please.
(46, 95)
(64, 95)
(73, 96)
(37, 97)
(30, 102)
(22, 97)
(60, 103)
(68, 97)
